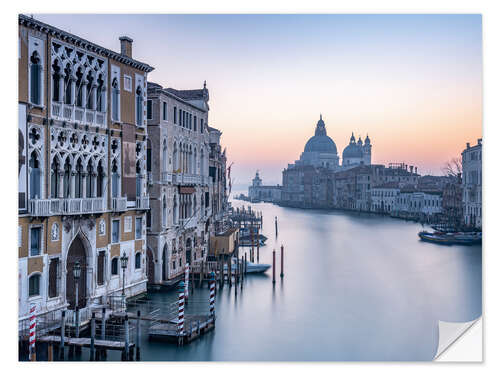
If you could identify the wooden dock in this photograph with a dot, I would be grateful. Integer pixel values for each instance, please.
(84, 342)
(194, 327)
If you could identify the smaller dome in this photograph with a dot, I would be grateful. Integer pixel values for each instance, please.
(352, 151)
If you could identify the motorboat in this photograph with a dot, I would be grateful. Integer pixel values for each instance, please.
(251, 267)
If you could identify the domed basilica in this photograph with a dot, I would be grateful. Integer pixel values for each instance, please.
(321, 151)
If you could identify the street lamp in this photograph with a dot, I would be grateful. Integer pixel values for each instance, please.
(77, 270)
(124, 261)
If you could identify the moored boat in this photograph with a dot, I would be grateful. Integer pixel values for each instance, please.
(455, 238)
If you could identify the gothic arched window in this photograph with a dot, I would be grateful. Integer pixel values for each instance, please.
(68, 99)
(34, 176)
(175, 210)
(90, 172)
(164, 155)
(79, 179)
(79, 88)
(138, 179)
(114, 179)
(138, 106)
(164, 212)
(35, 79)
(90, 91)
(54, 179)
(67, 179)
(56, 76)
(100, 180)
(115, 99)
(100, 94)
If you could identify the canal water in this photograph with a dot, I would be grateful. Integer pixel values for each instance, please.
(357, 287)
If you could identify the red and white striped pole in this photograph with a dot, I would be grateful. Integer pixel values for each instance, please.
(212, 294)
(180, 320)
(32, 333)
(186, 282)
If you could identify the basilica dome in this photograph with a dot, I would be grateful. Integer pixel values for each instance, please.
(320, 142)
(353, 150)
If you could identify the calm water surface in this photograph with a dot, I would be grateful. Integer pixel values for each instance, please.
(356, 287)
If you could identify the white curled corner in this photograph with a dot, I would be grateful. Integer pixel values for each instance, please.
(449, 333)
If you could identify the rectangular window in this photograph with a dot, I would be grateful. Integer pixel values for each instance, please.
(35, 241)
(201, 125)
(173, 265)
(127, 83)
(115, 232)
(138, 228)
(53, 276)
(165, 111)
(195, 123)
(34, 285)
(175, 115)
(150, 109)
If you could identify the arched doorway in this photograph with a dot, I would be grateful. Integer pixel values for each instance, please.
(150, 270)
(76, 253)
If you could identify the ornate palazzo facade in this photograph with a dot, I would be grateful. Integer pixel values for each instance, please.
(82, 169)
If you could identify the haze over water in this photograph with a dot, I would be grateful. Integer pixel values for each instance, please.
(356, 287)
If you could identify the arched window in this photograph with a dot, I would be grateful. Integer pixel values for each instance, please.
(79, 88)
(114, 179)
(67, 179)
(34, 176)
(115, 100)
(194, 204)
(138, 106)
(137, 260)
(79, 179)
(34, 285)
(164, 212)
(100, 94)
(175, 210)
(67, 85)
(138, 179)
(100, 180)
(176, 161)
(56, 76)
(164, 155)
(114, 266)
(54, 179)
(90, 91)
(202, 163)
(90, 172)
(35, 79)
(195, 159)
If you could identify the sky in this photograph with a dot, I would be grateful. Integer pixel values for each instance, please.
(413, 83)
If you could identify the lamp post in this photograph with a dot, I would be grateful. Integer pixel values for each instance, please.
(124, 261)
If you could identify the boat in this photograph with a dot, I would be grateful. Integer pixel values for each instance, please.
(452, 238)
(251, 267)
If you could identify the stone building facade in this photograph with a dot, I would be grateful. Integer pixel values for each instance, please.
(472, 176)
(82, 169)
(180, 187)
(267, 193)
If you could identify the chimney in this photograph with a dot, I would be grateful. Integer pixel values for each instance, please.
(411, 168)
(415, 170)
(479, 141)
(126, 46)
(468, 145)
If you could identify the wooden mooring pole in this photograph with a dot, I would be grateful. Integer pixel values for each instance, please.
(138, 337)
(127, 340)
(92, 337)
(245, 264)
(276, 225)
(104, 353)
(282, 249)
(274, 266)
(63, 329)
(258, 244)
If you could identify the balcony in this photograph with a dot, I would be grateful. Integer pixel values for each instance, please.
(166, 177)
(142, 203)
(186, 179)
(69, 206)
(71, 113)
(119, 204)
